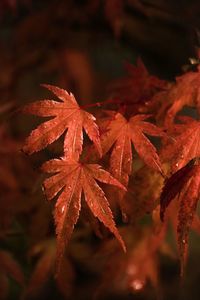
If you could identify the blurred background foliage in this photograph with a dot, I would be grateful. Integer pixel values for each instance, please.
(81, 46)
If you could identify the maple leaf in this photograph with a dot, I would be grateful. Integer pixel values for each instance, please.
(121, 134)
(173, 186)
(138, 87)
(184, 185)
(71, 179)
(184, 146)
(188, 205)
(67, 115)
(184, 92)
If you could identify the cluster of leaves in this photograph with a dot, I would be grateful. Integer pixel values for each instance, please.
(115, 148)
(112, 168)
(129, 166)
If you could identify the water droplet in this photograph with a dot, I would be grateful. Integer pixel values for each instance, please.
(125, 217)
(177, 165)
(63, 209)
(184, 241)
(103, 211)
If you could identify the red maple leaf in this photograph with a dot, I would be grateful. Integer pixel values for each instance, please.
(184, 92)
(184, 185)
(138, 87)
(173, 186)
(188, 204)
(120, 134)
(184, 146)
(71, 179)
(66, 114)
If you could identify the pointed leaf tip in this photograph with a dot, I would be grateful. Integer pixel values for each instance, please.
(66, 118)
(70, 180)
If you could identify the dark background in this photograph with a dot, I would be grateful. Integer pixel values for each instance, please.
(82, 46)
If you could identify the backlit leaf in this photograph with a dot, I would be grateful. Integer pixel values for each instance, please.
(71, 180)
(66, 115)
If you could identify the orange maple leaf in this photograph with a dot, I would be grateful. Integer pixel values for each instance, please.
(71, 179)
(66, 114)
